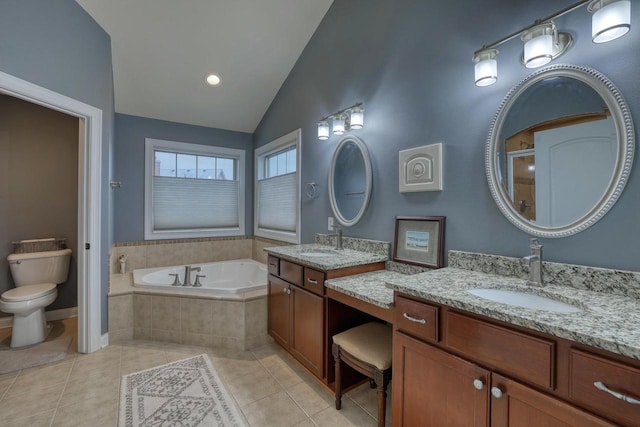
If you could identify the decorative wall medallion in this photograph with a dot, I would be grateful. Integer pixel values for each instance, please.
(421, 168)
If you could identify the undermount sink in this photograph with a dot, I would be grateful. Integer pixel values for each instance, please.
(525, 300)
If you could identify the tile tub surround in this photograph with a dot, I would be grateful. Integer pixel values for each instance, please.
(339, 259)
(617, 282)
(161, 253)
(608, 321)
(207, 322)
(356, 244)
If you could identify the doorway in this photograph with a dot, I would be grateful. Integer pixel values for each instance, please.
(90, 338)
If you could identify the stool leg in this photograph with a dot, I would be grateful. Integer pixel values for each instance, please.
(338, 383)
(382, 397)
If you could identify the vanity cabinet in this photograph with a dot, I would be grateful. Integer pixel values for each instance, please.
(298, 317)
(434, 388)
(453, 368)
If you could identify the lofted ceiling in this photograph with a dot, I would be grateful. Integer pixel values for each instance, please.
(163, 50)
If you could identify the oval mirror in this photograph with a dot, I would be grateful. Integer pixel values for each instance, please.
(350, 180)
(559, 151)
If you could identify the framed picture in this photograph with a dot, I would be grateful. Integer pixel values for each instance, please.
(419, 241)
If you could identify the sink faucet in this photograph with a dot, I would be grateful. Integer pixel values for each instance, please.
(534, 262)
(338, 235)
(187, 274)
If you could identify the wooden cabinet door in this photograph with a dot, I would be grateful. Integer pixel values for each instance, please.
(279, 310)
(521, 406)
(436, 389)
(307, 329)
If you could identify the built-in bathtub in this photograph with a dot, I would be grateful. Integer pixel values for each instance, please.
(224, 277)
(229, 311)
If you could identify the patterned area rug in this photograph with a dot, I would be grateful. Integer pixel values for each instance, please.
(185, 393)
(15, 359)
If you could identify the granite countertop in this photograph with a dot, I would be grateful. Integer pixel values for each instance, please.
(332, 259)
(370, 287)
(607, 321)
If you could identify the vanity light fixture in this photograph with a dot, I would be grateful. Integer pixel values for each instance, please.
(342, 120)
(338, 124)
(611, 19)
(544, 43)
(486, 68)
(323, 130)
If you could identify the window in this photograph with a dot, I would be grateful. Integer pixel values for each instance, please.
(193, 190)
(277, 195)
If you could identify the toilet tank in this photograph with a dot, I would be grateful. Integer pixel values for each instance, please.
(40, 267)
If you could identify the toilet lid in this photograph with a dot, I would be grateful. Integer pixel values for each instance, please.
(29, 292)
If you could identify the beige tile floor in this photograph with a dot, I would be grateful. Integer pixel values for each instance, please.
(82, 390)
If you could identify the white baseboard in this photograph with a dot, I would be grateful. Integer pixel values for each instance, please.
(104, 340)
(63, 313)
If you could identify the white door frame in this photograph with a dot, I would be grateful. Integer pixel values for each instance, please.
(89, 201)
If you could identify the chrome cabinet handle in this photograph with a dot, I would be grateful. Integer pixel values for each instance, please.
(272, 265)
(478, 384)
(600, 386)
(413, 319)
(310, 280)
(496, 392)
(285, 290)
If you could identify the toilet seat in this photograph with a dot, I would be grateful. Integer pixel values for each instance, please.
(29, 292)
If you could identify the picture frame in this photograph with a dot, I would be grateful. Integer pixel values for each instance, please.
(419, 241)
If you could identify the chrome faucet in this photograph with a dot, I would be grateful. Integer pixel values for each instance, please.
(534, 262)
(187, 274)
(338, 235)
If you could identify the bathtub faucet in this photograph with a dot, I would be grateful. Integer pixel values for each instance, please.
(187, 274)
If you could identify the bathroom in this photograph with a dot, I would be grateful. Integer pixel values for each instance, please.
(410, 62)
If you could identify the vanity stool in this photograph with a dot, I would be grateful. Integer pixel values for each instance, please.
(367, 349)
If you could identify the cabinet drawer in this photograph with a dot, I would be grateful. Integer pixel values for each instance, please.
(587, 369)
(313, 281)
(291, 272)
(510, 352)
(416, 318)
(273, 265)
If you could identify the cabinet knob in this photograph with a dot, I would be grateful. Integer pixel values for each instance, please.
(496, 392)
(478, 384)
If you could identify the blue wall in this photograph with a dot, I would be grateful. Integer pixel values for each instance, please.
(411, 65)
(131, 132)
(57, 45)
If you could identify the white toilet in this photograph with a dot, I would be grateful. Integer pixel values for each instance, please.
(36, 276)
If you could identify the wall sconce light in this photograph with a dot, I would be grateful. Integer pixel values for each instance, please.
(611, 19)
(544, 43)
(486, 69)
(338, 124)
(342, 120)
(323, 129)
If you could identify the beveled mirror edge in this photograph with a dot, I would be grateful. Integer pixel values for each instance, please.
(369, 180)
(626, 146)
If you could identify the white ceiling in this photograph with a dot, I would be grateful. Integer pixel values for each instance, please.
(163, 49)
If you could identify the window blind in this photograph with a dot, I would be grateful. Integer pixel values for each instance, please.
(278, 203)
(187, 204)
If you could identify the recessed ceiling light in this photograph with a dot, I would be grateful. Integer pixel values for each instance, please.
(213, 80)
